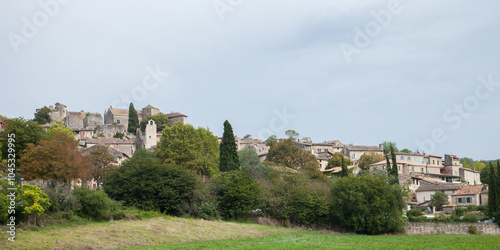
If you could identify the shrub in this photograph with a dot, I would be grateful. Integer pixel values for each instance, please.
(414, 212)
(209, 211)
(95, 204)
(367, 205)
(148, 185)
(471, 218)
(459, 211)
(471, 208)
(238, 193)
(473, 230)
(61, 199)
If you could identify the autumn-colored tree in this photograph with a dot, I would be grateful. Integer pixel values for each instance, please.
(286, 153)
(57, 160)
(101, 162)
(336, 161)
(369, 158)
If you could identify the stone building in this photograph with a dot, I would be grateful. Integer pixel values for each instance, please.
(70, 119)
(150, 135)
(120, 116)
(174, 117)
(355, 152)
(116, 116)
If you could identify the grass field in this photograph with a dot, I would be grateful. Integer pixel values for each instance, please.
(167, 232)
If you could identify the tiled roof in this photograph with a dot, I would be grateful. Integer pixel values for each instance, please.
(119, 112)
(174, 114)
(363, 148)
(109, 141)
(465, 190)
(149, 107)
(439, 187)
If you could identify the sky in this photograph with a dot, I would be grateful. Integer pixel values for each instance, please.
(424, 74)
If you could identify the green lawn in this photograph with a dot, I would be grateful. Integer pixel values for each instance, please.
(319, 240)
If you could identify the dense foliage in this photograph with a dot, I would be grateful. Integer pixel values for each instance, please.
(229, 159)
(95, 204)
(133, 119)
(369, 158)
(367, 205)
(26, 132)
(439, 199)
(238, 193)
(149, 185)
(286, 153)
(42, 116)
(161, 121)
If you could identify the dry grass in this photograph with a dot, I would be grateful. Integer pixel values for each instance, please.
(121, 234)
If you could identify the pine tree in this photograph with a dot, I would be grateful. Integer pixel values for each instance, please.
(492, 192)
(344, 173)
(394, 169)
(228, 152)
(133, 119)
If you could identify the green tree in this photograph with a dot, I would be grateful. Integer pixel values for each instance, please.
(292, 134)
(367, 205)
(484, 174)
(478, 166)
(161, 121)
(23, 132)
(94, 204)
(248, 136)
(306, 139)
(248, 157)
(238, 193)
(386, 146)
(344, 172)
(194, 149)
(147, 184)
(133, 119)
(467, 162)
(492, 192)
(271, 141)
(286, 153)
(394, 169)
(35, 203)
(42, 116)
(119, 135)
(338, 160)
(439, 199)
(367, 159)
(406, 151)
(60, 127)
(228, 151)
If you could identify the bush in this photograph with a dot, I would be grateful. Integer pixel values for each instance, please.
(61, 199)
(209, 211)
(95, 204)
(459, 211)
(148, 185)
(367, 205)
(473, 230)
(471, 218)
(414, 212)
(471, 208)
(238, 193)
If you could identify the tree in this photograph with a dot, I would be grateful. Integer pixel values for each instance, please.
(492, 192)
(194, 149)
(467, 162)
(248, 136)
(148, 185)
(271, 141)
(394, 169)
(24, 132)
(133, 119)
(238, 193)
(439, 199)
(478, 166)
(386, 146)
(291, 134)
(119, 135)
(57, 160)
(248, 157)
(42, 116)
(60, 127)
(367, 159)
(286, 153)
(338, 160)
(35, 203)
(306, 139)
(367, 205)
(344, 172)
(161, 121)
(101, 162)
(228, 151)
(484, 174)
(406, 151)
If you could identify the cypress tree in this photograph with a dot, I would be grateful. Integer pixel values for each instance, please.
(492, 192)
(394, 169)
(344, 173)
(133, 119)
(228, 152)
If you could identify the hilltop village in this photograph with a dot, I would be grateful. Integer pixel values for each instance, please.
(425, 173)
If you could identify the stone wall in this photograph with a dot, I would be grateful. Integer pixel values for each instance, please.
(424, 228)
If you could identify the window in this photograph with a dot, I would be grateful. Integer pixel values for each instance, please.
(151, 122)
(409, 158)
(464, 200)
(319, 150)
(402, 158)
(422, 170)
(117, 121)
(399, 168)
(433, 162)
(354, 156)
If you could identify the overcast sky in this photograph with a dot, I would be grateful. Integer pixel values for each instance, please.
(361, 72)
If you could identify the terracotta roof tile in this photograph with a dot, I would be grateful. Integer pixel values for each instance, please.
(465, 190)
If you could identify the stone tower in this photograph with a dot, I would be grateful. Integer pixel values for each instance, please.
(150, 135)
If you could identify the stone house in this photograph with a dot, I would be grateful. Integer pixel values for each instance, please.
(354, 152)
(471, 176)
(467, 195)
(484, 195)
(424, 192)
(260, 147)
(70, 119)
(116, 116)
(124, 146)
(452, 165)
(120, 116)
(323, 158)
(327, 146)
(174, 117)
